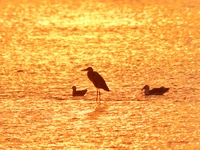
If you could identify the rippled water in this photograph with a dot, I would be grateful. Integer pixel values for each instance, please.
(44, 46)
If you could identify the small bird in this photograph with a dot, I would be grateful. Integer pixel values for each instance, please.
(154, 91)
(97, 80)
(78, 93)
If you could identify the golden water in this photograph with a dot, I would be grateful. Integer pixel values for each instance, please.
(44, 46)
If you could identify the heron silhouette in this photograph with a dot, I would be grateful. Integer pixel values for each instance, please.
(79, 92)
(154, 91)
(97, 80)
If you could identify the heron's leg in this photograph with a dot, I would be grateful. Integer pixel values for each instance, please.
(97, 96)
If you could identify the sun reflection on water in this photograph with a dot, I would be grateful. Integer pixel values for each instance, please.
(46, 44)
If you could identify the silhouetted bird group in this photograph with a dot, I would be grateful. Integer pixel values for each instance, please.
(100, 83)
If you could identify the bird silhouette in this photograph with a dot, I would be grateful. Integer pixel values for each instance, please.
(78, 93)
(97, 80)
(154, 91)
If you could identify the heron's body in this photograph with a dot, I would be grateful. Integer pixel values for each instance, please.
(97, 80)
(155, 91)
(78, 93)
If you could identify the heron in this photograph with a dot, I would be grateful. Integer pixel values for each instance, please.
(154, 91)
(97, 80)
(79, 92)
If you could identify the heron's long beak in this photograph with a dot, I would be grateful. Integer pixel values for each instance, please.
(142, 88)
(85, 69)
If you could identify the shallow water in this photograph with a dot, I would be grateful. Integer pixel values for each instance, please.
(44, 46)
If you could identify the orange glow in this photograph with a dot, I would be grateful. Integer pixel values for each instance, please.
(46, 43)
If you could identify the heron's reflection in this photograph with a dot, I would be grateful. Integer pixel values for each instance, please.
(99, 110)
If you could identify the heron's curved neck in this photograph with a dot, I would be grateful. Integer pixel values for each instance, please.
(90, 75)
(90, 72)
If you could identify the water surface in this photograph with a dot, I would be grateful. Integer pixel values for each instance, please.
(44, 46)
